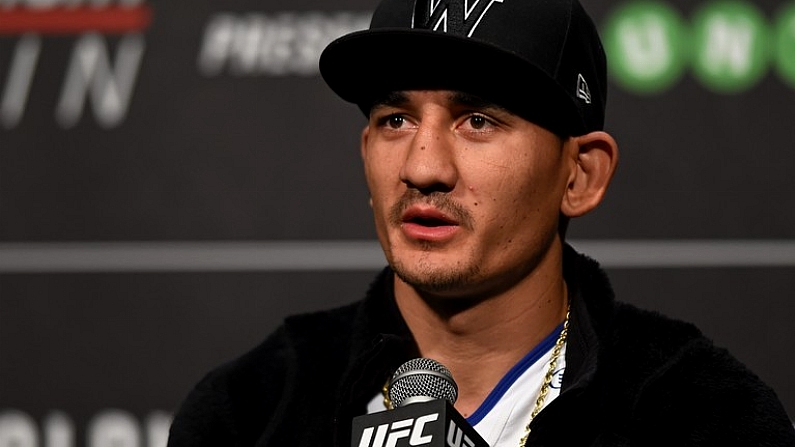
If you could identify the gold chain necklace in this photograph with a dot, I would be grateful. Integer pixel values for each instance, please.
(542, 394)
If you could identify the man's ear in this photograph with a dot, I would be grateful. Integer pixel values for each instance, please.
(596, 156)
(363, 152)
(365, 136)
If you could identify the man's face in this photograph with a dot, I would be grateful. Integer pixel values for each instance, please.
(466, 195)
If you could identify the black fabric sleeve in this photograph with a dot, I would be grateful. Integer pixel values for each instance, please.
(705, 397)
(235, 404)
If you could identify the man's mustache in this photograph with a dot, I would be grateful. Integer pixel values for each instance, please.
(438, 200)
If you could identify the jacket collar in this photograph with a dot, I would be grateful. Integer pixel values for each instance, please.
(592, 299)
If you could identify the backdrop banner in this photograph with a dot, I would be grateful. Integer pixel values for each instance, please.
(176, 178)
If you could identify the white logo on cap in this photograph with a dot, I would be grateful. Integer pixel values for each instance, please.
(583, 92)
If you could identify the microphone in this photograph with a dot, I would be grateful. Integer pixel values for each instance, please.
(421, 380)
(423, 393)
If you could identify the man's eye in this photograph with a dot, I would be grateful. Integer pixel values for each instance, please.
(478, 122)
(395, 121)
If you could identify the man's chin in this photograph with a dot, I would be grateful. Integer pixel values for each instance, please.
(437, 280)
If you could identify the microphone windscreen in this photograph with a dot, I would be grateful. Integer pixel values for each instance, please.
(421, 380)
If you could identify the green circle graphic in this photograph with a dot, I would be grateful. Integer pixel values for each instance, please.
(731, 46)
(785, 44)
(644, 46)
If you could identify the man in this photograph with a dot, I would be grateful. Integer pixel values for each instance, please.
(484, 137)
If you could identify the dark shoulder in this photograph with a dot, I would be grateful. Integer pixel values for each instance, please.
(654, 349)
(651, 336)
(242, 398)
(638, 345)
(685, 390)
(310, 337)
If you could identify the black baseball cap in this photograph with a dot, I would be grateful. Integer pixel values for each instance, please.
(541, 59)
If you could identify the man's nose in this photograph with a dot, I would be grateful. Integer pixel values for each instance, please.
(430, 163)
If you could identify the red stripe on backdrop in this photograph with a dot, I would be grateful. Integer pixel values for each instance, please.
(65, 20)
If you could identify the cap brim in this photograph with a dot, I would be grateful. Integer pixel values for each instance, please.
(363, 66)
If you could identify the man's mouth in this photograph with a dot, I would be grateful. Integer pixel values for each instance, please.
(428, 224)
(435, 213)
(427, 217)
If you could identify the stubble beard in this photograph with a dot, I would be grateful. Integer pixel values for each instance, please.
(424, 276)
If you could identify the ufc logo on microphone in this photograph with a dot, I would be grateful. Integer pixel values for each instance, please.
(388, 435)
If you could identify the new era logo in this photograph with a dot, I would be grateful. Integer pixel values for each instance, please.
(583, 92)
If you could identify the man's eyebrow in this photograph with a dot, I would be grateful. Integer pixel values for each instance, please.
(391, 99)
(401, 98)
(474, 101)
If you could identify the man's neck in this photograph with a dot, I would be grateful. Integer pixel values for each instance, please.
(479, 340)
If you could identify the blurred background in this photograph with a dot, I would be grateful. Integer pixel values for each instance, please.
(175, 179)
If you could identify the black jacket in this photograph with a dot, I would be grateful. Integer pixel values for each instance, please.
(633, 378)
